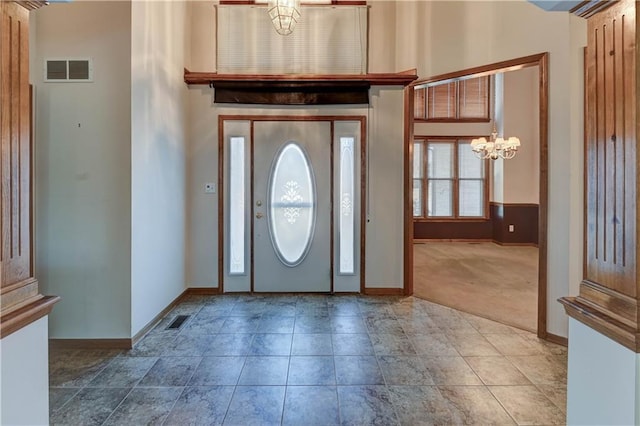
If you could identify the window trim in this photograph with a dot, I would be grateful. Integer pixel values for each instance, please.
(455, 182)
(457, 119)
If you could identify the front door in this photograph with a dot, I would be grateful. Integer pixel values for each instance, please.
(292, 206)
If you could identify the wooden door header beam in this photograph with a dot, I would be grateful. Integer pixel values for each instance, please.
(403, 78)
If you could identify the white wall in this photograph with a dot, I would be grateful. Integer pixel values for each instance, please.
(159, 53)
(82, 169)
(602, 387)
(468, 34)
(24, 376)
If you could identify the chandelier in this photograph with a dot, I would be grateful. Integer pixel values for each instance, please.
(495, 147)
(284, 15)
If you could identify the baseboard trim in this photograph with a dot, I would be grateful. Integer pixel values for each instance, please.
(202, 291)
(500, 243)
(559, 340)
(147, 328)
(129, 343)
(452, 240)
(91, 343)
(382, 291)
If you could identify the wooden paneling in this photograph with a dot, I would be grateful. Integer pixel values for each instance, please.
(610, 109)
(609, 293)
(14, 115)
(524, 217)
(20, 301)
(284, 93)
(453, 230)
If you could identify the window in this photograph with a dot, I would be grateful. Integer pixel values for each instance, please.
(449, 181)
(463, 100)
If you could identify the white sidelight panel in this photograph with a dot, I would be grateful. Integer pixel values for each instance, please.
(237, 205)
(347, 217)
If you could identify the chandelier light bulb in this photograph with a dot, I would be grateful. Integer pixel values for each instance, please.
(496, 147)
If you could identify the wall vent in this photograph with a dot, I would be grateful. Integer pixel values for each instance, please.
(68, 70)
(178, 321)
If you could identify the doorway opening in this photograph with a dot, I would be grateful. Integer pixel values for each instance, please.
(539, 61)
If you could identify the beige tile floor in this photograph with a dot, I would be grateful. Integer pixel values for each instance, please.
(486, 279)
(315, 359)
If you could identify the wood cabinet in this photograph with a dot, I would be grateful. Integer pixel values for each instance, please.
(609, 298)
(20, 300)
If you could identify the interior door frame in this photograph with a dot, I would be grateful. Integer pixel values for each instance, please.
(540, 60)
(362, 119)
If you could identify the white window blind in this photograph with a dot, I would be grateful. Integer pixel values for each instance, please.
(327, 40)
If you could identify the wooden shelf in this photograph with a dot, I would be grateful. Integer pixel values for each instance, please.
(25, 315)
(403, 78)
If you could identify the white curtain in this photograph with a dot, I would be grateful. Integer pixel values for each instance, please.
(327, 40)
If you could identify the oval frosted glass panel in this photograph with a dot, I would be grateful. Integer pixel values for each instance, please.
(292, 204)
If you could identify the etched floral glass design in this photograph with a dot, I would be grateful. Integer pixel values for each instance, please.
(292, 204)
(347, 225)
(236, 206)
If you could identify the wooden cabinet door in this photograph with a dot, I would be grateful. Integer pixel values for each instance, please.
(17, 283)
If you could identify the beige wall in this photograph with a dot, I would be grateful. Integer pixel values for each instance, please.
(521, 119)
(83, 169)
(85, 187)
(384, 142)
(384, 139)
(160, 51)
(468, 34)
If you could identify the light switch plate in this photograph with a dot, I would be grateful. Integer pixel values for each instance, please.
(210, 188)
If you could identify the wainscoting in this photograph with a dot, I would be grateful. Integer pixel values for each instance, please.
(523, 217)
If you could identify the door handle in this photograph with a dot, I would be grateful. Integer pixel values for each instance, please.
(258, 215)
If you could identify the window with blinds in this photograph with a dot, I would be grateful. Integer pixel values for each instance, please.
(463, 100)
(449, 181)
(326, 40)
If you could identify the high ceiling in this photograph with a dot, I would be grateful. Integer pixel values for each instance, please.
(556, 5)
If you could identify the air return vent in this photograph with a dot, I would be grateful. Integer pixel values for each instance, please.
(68, 70)
(177, 322)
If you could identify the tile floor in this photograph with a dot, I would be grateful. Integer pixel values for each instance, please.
(314, 360)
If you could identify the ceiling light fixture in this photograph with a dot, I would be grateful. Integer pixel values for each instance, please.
(284, 15)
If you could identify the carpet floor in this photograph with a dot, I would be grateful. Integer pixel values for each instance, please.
(485, 279)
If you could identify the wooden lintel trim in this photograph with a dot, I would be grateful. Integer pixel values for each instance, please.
(481, 71)
(589, 8)
(402, 78)
(602, 323)
(384, 291)
(22, 317)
